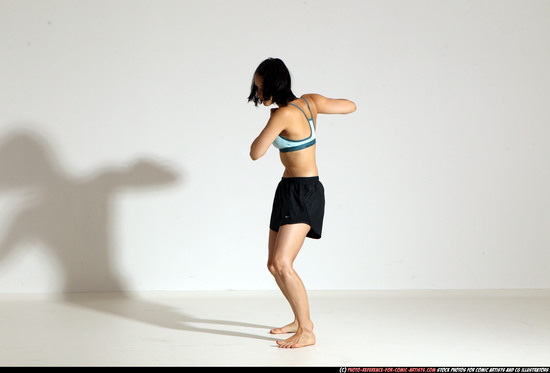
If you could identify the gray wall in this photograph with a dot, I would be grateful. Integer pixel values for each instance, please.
(125, 131)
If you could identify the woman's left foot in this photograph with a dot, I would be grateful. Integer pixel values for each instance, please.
(302, 338)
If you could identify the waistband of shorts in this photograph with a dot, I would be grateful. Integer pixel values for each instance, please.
(299, 179)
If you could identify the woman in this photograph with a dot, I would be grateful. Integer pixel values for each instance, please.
(299, 202)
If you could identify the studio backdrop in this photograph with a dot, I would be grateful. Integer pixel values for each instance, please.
(125, 132)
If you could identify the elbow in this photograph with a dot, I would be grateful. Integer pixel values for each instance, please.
(256, 150)
(254, 154)
(353, 107)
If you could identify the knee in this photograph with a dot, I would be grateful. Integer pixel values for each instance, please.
(271, 267)
(279, 267)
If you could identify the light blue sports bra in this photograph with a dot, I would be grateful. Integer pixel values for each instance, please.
(286, 145)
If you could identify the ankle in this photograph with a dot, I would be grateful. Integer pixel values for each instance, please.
(306, 327)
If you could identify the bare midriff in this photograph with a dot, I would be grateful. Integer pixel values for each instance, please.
(300, 163)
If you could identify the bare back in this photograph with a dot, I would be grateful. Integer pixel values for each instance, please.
(291, 122)
(300, 163)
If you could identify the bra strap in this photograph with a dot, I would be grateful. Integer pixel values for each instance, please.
(301, 110)
(307, 103)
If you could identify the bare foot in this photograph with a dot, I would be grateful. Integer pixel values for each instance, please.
(290, 328)
(302, 338)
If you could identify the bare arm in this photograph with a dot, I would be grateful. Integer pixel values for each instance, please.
(327, 105)
(273, 128)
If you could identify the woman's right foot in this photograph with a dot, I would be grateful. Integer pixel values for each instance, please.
(290, 328)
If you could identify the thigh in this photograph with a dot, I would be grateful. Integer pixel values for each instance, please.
(271, 245)
(289, 241)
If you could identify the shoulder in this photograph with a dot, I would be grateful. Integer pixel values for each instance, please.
(279, 118)
(312, 98)
(325, 105)
(281, 112)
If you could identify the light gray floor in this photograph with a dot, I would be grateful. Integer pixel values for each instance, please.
(353, 328)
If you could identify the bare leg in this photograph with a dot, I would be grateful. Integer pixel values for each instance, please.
(287, 245)
(293, 326)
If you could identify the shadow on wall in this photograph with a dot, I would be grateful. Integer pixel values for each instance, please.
(69, 217)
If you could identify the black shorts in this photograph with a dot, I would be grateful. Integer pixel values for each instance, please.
(299, 200)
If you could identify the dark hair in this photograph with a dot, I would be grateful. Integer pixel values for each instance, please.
(276, 83)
